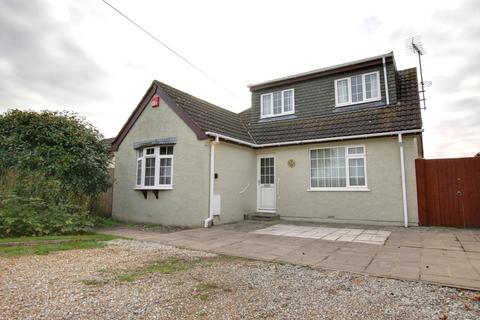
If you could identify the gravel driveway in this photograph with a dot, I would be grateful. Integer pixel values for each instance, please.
(127, 280)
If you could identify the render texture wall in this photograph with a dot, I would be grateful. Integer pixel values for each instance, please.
(187, 203)
(381, 205)
(236, 182)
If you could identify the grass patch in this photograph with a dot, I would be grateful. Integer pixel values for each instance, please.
(202, 297)
(41, 245)
(43, 249)
(205, 289)
(206, 286)
(74, 237)
(168, 266)
(93, 282)
(107, 222)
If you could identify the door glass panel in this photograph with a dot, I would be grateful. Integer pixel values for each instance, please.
(267, 170)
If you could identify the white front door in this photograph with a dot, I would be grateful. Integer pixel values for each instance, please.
(266, 191)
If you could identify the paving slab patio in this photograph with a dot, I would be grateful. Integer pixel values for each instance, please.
(448, 258)
(327, 233)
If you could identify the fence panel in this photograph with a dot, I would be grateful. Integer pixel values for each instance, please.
(448, 192)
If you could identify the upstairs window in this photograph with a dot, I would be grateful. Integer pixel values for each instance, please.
(357, 89)
(277, 103)
(154, 167)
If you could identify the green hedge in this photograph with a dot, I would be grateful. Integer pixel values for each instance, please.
(51, 165)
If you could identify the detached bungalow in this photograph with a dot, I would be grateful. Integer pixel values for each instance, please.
(331, 145)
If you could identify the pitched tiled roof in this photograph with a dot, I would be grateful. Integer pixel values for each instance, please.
(108, 142)
(203, 116)
(207, 116)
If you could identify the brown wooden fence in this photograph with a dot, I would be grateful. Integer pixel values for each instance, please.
(102, 205)
(448, 192)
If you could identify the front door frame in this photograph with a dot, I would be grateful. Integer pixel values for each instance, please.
(259, 157)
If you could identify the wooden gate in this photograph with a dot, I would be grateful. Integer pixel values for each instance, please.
(448, 192)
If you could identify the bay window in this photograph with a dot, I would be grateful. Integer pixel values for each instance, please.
(357, 89)
(154, 167)
(340, 168)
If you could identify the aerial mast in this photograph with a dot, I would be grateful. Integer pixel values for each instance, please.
(414, 46)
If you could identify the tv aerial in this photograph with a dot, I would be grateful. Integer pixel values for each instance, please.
(414, 46)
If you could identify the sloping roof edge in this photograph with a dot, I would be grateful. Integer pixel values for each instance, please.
(144, 102)
(320, 72)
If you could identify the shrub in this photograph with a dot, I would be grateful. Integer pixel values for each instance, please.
(51, 165)
(32, 204)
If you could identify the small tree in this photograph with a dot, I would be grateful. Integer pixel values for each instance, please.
(51, 165)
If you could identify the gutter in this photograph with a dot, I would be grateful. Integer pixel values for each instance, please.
(224, 137)
(207, 222)
(277, 144)
(404, 184)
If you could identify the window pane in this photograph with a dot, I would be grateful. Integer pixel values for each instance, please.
(139, 172)
(166, 150)
(355, 150)
(266, 105)
(149, 171)
(165, 177)
(328, 169)
(371, 86)
(356, 168)
(287, 101)
(150, 150)
(342, 91)
(277, 102)
(357, 90)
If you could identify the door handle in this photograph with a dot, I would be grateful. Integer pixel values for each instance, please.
(459, 193)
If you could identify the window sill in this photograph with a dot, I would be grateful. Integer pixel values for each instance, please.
(277, 115)
(355, 103)
(338, 189)
(154, 188)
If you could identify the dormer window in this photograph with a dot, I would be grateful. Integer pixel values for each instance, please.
(277, 103)
(357, 89)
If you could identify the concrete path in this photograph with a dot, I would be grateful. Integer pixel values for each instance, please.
(447, 258)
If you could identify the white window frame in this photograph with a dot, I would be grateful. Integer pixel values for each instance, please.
(348, 187)
(270, 115)
(157, 156)
(364, 90)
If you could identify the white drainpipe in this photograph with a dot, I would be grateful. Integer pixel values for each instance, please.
(404, 186)
(209, 220)
(385, 80)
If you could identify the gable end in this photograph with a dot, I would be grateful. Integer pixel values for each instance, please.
(144, 102)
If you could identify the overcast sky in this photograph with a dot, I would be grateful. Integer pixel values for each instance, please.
(82, 56)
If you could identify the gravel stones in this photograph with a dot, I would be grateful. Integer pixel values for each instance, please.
(54, 287)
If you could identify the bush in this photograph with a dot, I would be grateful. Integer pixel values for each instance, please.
(51, 165)
(61, 145)
(33, 205)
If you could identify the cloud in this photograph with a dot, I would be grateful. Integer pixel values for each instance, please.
(371, 24)
(40, 60)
